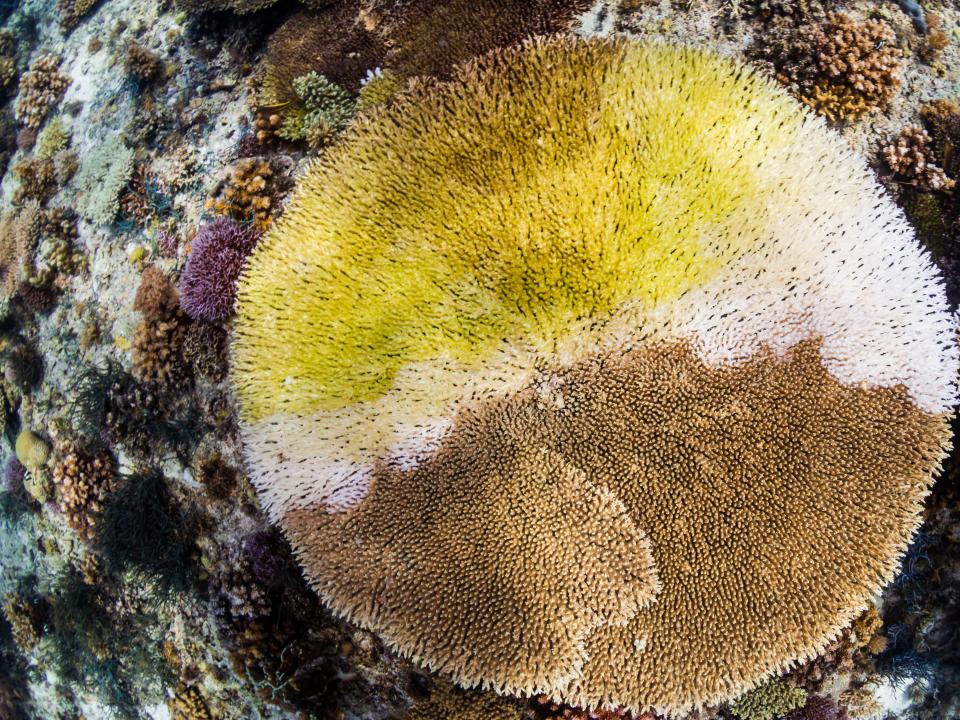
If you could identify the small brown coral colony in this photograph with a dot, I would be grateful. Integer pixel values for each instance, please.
(246, 194)
(912, 157)
(82, 482)
(158, 341)
(841, 67)
(40, 89)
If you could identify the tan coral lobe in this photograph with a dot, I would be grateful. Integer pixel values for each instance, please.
(775, 499)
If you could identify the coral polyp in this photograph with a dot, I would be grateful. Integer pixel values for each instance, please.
(605, 371)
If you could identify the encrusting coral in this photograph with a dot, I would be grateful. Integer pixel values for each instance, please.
(569, 390)
(40, 89)
(218, 253)
(771, 700)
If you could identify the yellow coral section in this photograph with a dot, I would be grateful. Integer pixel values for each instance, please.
(546, 185)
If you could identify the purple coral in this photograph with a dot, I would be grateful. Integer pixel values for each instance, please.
(209, 285)
(167, 243)
(264, 551)
(818, 708)
(14, 474)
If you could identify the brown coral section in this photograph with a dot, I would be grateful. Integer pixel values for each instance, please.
(426, 37)
(333, 42)
(776, 500)
(450, 703)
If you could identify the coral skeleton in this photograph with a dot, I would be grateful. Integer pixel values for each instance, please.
(606, 371)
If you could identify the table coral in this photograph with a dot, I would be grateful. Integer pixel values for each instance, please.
(570, 390)
(40, 89)
(430, 38)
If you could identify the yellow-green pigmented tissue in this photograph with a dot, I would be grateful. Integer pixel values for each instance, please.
(552, 197)
(604, 371)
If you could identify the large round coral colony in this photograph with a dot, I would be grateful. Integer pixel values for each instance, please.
(605, 371)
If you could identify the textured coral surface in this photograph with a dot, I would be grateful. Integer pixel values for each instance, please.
(146, 563)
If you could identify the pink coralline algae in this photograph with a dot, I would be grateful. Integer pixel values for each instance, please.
(209, 285)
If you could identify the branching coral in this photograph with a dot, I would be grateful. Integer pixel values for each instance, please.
(771, 700)
(326, 110)
(40, 89)
(72, 12)
(24, 618)
(449, 703)
(8, 60)
(237, 6)
(218, 253)
(38, 180)
(54, 138)
(219, 479)
(378, 88)
(82, 482)
(102, 176)
(141, 530)
(142, 63)
(19, 234)
(558, 376)
(911, 157)
(841, 67)
(158, 341)
(24, 367)
(205, 349)
(246, 194)
(848, 652)
(555, 711)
